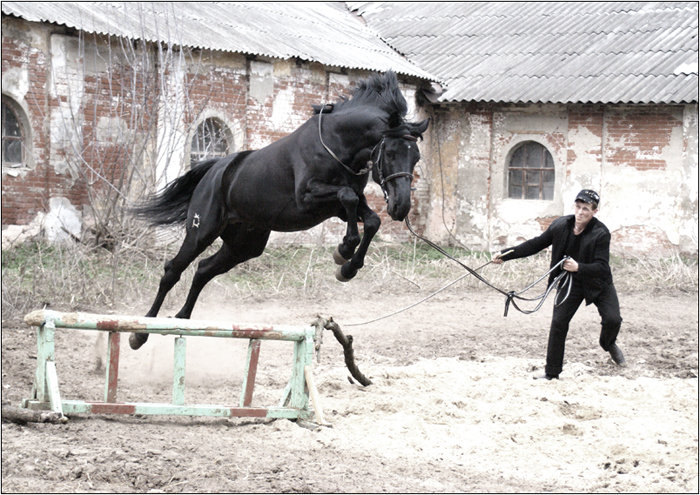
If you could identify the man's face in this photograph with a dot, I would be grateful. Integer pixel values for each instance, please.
(583, 212)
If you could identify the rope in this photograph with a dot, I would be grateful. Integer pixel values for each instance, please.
(564, 279)
(418, 302)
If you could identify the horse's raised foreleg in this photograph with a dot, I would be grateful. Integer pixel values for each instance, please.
(319, 192)
(240, 244)
(344, 251)
(371, 225)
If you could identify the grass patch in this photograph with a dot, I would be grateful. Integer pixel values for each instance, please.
(76, 278)
(80, 278)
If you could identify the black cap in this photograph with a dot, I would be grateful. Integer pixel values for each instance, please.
(588, 196)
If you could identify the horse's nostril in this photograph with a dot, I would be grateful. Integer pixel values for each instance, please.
(398, 211)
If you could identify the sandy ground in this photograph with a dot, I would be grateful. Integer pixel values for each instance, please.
(452, 408)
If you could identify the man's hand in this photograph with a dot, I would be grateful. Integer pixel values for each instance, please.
(498, 257)
(570, 265)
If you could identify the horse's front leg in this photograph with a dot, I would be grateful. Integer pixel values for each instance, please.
(319, 192)
(371, 225)
(344, 251)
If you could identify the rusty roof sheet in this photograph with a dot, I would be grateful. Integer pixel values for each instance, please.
(318, 32)
(559, 52)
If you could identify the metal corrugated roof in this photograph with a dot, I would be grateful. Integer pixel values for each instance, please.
(319, 32)
(559, 52)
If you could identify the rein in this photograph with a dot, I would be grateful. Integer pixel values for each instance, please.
(363, 171)
(564, 279)
(433, 294)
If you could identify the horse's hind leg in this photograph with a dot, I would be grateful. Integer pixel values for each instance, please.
(192, 247)
(241, 243)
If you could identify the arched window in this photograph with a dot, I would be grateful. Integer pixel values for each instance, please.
(212, 139)
(531, 172)
(13, 136)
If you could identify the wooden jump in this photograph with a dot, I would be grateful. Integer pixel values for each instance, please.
(294, 403)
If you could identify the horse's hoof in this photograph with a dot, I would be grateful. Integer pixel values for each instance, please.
(136, 340)
(339, 275)
(345, 273)
(338, 258)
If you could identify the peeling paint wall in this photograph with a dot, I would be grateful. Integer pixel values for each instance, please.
(65, 86)
(74, 121)
(642, 159)
(516, 219)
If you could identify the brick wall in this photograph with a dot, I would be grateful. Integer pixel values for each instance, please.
(637, 137)
(27, 193)
(641, 158)
(93, 110)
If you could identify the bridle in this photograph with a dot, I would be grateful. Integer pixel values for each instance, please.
(383, 180)
(378, 149)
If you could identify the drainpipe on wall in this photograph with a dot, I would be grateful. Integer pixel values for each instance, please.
(489, 187)
(604, 136)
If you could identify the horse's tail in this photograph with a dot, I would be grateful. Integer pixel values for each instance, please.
(170, 205)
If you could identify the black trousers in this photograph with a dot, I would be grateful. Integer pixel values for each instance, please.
(609, 311)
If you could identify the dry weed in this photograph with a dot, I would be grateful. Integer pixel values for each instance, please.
(78, 277)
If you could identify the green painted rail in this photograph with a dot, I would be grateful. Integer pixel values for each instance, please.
(294, 403)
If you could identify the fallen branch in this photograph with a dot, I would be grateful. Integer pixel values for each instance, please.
(346, 342)
(23, 416)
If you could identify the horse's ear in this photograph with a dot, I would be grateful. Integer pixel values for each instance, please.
(417, 129)
(327, 108)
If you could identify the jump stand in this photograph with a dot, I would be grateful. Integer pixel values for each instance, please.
(293, 405)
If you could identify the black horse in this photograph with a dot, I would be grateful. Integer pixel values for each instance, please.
(317, 172)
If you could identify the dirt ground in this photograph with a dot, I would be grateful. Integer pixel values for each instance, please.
(452, 408)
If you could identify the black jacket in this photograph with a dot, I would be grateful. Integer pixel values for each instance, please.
(594, 252)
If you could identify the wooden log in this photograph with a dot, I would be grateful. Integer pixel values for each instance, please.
(23, 416)
(348, 352)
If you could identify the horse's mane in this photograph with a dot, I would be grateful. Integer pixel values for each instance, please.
(381, 90)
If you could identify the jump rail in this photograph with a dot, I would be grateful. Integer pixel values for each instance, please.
(293, 405)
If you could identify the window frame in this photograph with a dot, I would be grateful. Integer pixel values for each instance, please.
(24, 137)
(225, 135)
(525, 171)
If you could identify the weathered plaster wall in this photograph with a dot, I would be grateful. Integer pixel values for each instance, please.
(70, 89)
(649, 177)
(25, 80)
(59, 85)
(642, 160)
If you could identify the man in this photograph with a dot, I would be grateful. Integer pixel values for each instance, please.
(586, 241)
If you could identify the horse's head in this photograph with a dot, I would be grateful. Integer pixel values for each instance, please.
(372, 123)
(395, 158)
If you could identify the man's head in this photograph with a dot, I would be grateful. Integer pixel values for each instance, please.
(586, 206)
(588, 196)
